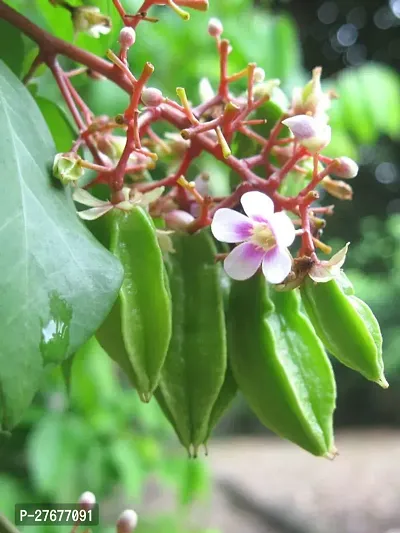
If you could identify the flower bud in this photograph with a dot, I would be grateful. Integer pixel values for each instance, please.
(311, 133)
(258, 75)
(215, 27)
(67, 167)
(337, 188)
(127, 37)
(152, 97)
(312, 92)
(90, 20)
(266, 88)
(178, 219)
(87, 500)
(345, 167)
(311, 99)
(202, 182)
(127, 521)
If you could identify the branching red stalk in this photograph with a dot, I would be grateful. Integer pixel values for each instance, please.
(182, 117)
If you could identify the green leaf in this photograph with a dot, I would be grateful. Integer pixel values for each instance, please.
(341, 144)
(61, 130)
(369, 103)
(195, 482)
(93, 381)
(286, 57)
(126, 461)
(45, 451)
(11, 46)
(58, 283)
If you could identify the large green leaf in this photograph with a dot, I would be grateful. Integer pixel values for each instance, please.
(11, 46)
(369, 103)
(57, 282)
(60, 128)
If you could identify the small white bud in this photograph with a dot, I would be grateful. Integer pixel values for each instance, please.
(152, 97)
(215, 27)
(127, 521)
(312, 133)
(177, 219)
(345, 168)
(87, 500)
(127, 37)
(259, 75)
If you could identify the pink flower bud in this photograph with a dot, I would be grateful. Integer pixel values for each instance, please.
(127, 521)
(152, 97)
(344, 167)
(258, 75)
(87, 500)
(177, 219)
(215, 27)
(127, 36)
(312, 133)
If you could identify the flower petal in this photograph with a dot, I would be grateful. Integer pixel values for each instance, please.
(302, 126)
(152, 196)
(257, 205)
(94, 212)
(323, 272)
(276, 265)
(339, 258)
(243, 261)
(283, 229)
(230, 226)
(85, 198)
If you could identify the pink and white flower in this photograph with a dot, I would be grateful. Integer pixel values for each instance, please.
(264, 237)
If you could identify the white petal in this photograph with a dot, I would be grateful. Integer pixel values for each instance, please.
(323, 273)
(98, 29)
(85, 198)
(339, 258)
(243, 261)
(276, 265)
(230, 226)
(283, 229)
(302, 126)
(94, 212)
(257, 205)
(152, 196)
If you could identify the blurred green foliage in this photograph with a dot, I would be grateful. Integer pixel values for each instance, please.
(94, 434)
(100, 437)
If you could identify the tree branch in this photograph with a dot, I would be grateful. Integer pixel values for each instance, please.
(51, 46)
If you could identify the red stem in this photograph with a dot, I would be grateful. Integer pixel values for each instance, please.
(51, 45)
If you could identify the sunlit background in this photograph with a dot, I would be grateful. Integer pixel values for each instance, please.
(101, 438)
